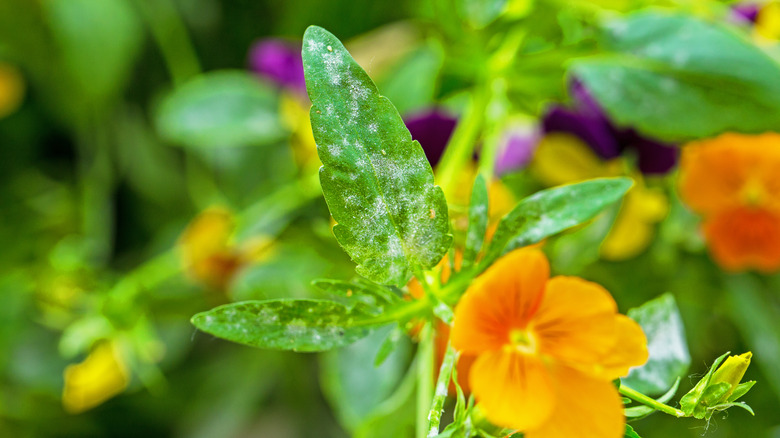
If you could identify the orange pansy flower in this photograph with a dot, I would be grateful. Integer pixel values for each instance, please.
(547, 349)
(732, 181)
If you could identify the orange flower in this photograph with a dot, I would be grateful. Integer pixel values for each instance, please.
(547, 349)
(732, 181)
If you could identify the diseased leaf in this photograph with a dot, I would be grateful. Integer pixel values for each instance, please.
(378, 184)
(478, 221)
(553, 210)
(284, 324)
(371, 299)
(669, 357)
(679, 77)
(221, 109)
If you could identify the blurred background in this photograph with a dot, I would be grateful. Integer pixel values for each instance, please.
(156, 160)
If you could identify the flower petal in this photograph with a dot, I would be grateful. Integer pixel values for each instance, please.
(585, 408)
(502, 298)
(745, 238)
(513, 390)
(575, 322)
(630, 349)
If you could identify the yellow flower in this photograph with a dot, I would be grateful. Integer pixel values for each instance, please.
(208, 253)
(768, 21)
(563, 159)
(295, 116)
(11, 89)
(99, 377)
(547, 349)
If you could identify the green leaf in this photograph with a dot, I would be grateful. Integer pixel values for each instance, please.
(411, 84)
(373, 299)
(99, 42)
(669, 357)
(221, 109)
(284, 324)
(553, 210)
(377, 182)
(630, 433)
(351, 382)
(678, 77)
(724, 406)
(395, 417)
(478, 221)
(480, 13)
(741, 390)
(393, 339)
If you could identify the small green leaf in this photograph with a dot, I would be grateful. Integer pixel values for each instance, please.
(630, 433)
(724, 406)
(669, 357)
(371, 299)
(221, 109)
(553, 210)
(284, 324)
(741, 390)
(351, 382)
(389, 344)
(478, 221)
(679, 77)
(378, 184)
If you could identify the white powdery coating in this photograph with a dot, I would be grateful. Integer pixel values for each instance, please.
(333, 62)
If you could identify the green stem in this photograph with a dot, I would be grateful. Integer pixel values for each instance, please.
(647, 401)
(442, 387)
(424, 379)
(461, 146)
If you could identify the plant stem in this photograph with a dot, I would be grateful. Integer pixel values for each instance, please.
(442, 387)
(647, 401)
(424, 379)
(461, 145)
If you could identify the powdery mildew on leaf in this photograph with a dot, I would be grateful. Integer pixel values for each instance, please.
(286, 324)
(376, 180)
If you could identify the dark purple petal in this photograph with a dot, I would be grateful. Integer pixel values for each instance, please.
(583, 101)
(279, 61)
(655, 157)
(595, 131)
(745, 12)
(516, 149)
(432, 129)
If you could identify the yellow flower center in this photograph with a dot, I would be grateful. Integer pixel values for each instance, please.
(522, 341)
(753, 193)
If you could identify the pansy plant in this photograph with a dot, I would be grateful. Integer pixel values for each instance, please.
(546, 350)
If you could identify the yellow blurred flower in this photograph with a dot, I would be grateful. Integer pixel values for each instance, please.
(768, 21)
(99, 377)
(563, 159)
(295, 115)
(208, 252)
(11, 89)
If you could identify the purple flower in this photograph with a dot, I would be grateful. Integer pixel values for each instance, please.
(279, 61)
(587, 121)
(433, 129)
(516, 149)
(745, 12)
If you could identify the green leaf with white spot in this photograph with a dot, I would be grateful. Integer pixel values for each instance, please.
(285, 324)
(678, 77)
(553, 210)
(668, 350)
(391, 218)
(221, 109)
